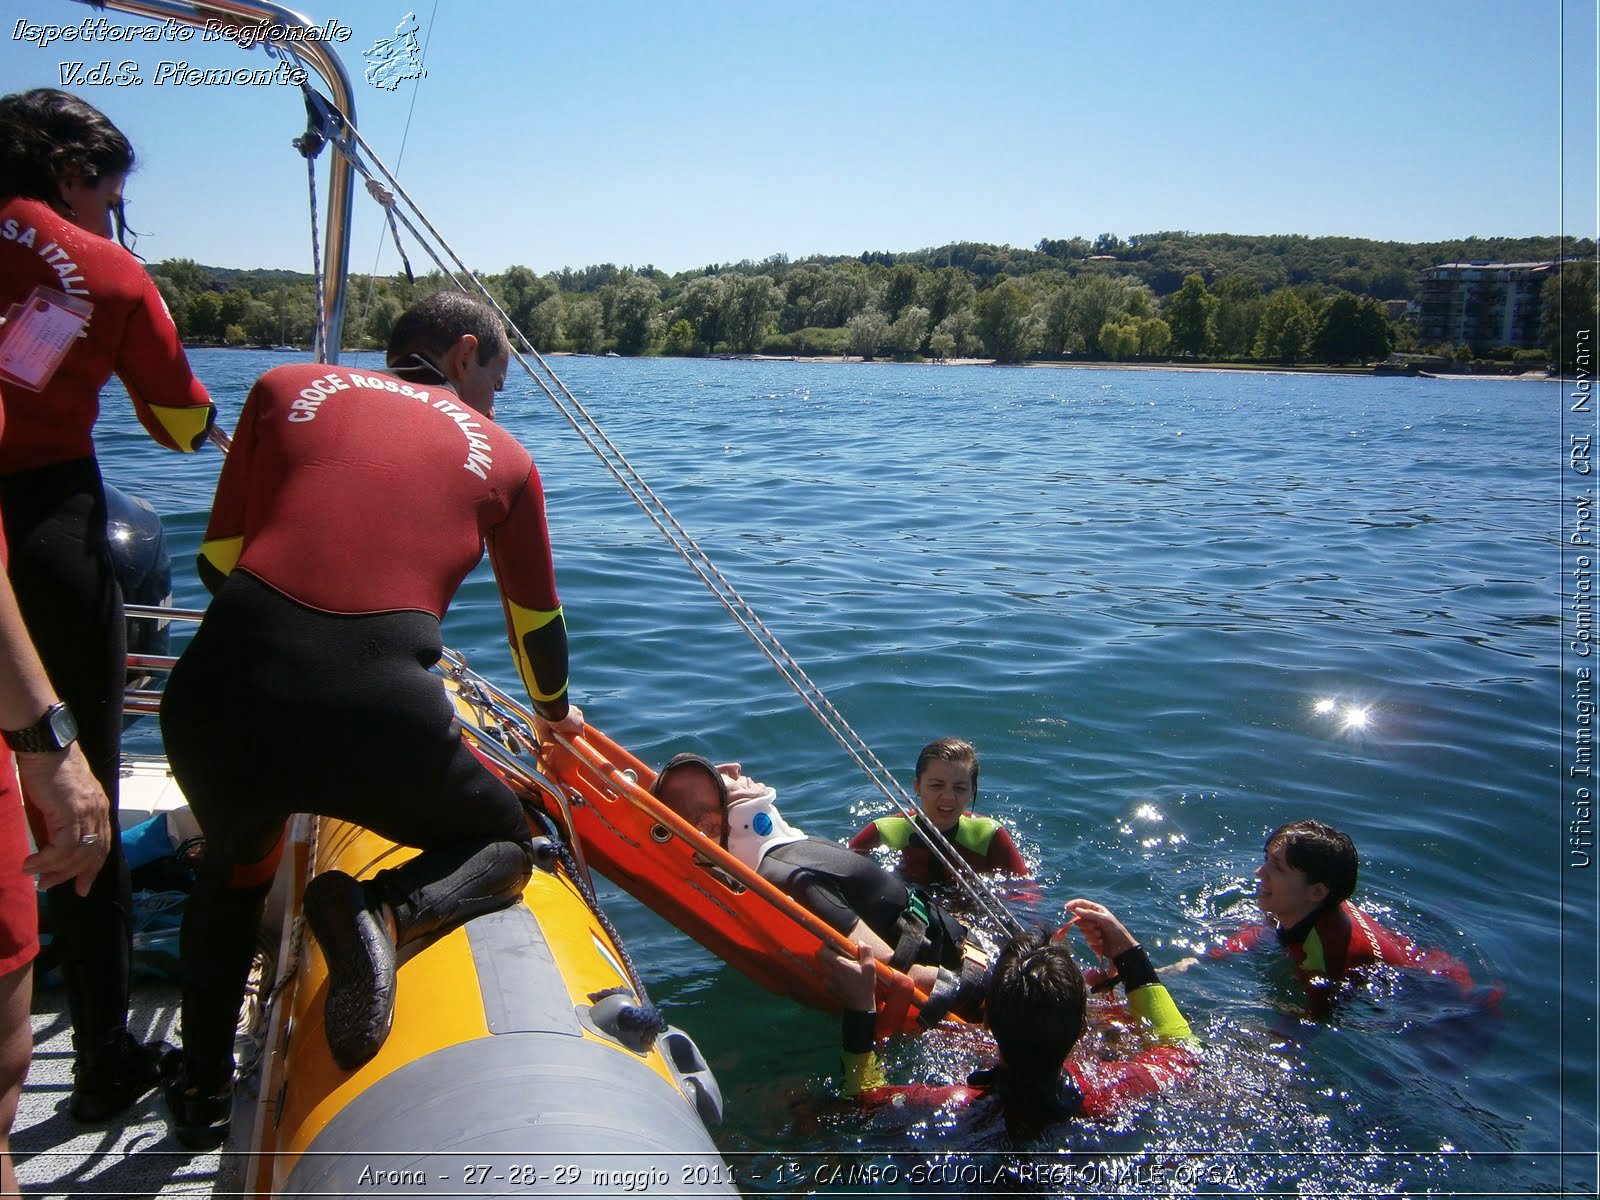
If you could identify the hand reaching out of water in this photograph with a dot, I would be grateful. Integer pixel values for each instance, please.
(1106, 935)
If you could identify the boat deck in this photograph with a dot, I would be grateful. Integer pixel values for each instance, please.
(133, 1156)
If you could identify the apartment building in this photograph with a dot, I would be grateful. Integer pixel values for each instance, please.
(1483, 304)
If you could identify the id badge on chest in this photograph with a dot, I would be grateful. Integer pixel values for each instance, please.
(37, 335)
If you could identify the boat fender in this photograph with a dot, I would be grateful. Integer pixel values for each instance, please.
(694, 1075)
(138, 547)
(635, 1026)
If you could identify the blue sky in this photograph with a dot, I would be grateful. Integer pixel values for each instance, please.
(680, 134)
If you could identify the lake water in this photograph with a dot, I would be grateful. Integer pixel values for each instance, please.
(1130, 589)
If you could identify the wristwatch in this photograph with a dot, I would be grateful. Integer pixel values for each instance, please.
(56, 730)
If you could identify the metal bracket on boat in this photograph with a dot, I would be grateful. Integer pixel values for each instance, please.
(695, 1079)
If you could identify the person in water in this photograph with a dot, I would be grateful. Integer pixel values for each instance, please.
(946, 784)
(896, 923)
(351, 507)
(1304, 885)
(63, 166)
(1037, 1009)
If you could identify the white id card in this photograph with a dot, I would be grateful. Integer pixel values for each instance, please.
(37, 335)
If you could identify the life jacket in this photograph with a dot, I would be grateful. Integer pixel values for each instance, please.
(971, 833)
(755, 826)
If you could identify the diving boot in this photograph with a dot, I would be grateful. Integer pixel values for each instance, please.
(199, 1121)
(355, 941)
(108, 1079)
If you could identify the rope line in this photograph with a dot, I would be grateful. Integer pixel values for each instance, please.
(355, 148)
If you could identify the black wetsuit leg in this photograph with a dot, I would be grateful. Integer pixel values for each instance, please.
(841, 886)
(61, 571)
(276, 708)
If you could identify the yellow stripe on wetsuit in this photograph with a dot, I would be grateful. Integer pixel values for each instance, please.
(1154, 1005)
(536, 630)
(222, 554)
(186, 426)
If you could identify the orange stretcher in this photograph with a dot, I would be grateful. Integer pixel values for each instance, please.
(605, 807)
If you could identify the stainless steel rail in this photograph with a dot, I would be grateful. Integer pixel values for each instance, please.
(320, 58)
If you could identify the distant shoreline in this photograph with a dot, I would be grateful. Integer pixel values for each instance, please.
(1043, 364)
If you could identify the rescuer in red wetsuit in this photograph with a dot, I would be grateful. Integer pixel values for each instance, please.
(1036, 1008)
(946, 783)
(74, 833)
(351, 507)
(1304, 888)
(62, 167)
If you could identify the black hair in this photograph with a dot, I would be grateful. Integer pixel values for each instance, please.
(1036, 1006)
(1320, 852)
(47, 136)
(435, 323)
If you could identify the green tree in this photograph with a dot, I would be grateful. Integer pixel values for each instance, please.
(1350, 329)
(680, 339)
(701, 304)
(1155, 335)
(1006, 322)
(867, 331)
(942, 345)
(177, 302)
(1057, 333)
(749, 305)
(585, 325)
(520, 291)
(1118, 340)
(633, 304)
(848, 290)
(1570, 316)
(900, 292)
(1097, 300)
(185, 273)
(1286, 329)
(908, 330)
(949, 290)
(1191, 315)
(1237, 317)
(382, 313)
(961, 327)
(544, 323)
(802, 286)
(205, 317)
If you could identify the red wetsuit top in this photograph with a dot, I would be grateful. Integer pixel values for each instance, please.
(129, 332)
(1330, 944)
(1083, 1088)
(1088, 1090)
(982, 842)
(354, 492)
(19, 904)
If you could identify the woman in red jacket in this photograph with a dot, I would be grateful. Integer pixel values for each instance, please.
(62, 168)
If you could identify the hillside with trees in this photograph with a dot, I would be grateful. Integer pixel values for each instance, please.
(1277, 299)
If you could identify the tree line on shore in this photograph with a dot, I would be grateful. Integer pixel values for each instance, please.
(1282, 300)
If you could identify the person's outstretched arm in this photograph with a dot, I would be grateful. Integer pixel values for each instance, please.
(524, 568)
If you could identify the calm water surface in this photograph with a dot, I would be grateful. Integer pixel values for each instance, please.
(1131, 590)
